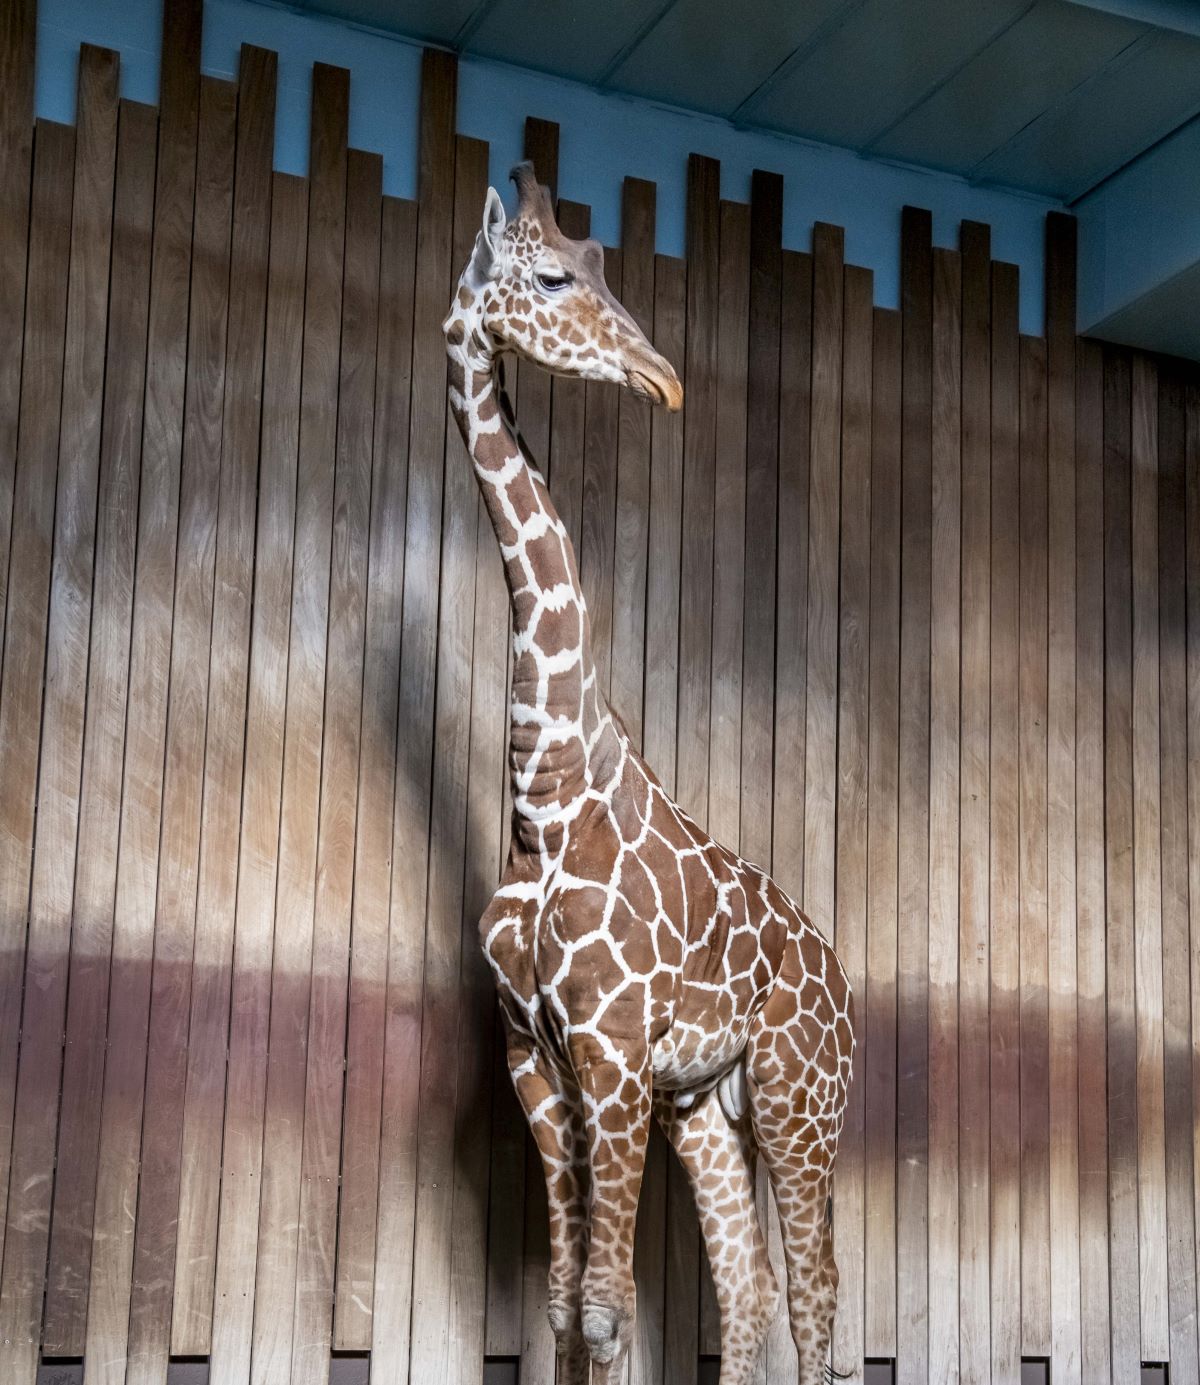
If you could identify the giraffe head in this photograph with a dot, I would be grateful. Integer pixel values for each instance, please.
(530, 290)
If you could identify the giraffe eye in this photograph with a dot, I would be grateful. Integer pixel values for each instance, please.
(552, 283)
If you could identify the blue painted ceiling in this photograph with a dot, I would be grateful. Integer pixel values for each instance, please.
(1051, 96)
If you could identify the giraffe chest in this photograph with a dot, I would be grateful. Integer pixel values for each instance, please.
(638, 929)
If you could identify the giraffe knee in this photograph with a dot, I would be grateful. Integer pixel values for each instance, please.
(564, 1320)
(605, 1330)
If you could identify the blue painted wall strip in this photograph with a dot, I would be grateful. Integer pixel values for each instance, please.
(604, 136)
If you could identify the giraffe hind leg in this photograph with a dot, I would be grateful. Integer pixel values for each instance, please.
(797, 1070)
(718, 1157)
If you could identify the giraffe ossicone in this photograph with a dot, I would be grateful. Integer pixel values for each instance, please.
(644, 970)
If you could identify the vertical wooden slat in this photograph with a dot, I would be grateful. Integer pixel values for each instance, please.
(1178, 1002)
(222, 801)
(1119, 873)
(104, 737)
(246, 1081)
(18, 28)
(854, 645)
(912, 1152)
(598, 516)
(820, 737)
(1004, 1025)
(175, 910)
(422, 544)
(877, 1009)
(944, 745)
(633, 468)
(1147, 871)
(25, 646)
(1060, 800)
(110, 1287)
(762, 487)
(358, 1207)
(48, 943)
(1089, 838)
(340, 763)
(729, 529)
(699, 442)
(1031, 809)
(974, 1329)
(448, 1299)
(1192, 558)
(791, 617)
(291, 990)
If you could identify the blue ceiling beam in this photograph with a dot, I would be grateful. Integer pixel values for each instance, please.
(1181, 16)
(1139, 249)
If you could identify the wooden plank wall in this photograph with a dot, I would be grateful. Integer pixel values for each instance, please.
(906, 604)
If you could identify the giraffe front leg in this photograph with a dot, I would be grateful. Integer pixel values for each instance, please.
(556, 1123)
(615, 1086)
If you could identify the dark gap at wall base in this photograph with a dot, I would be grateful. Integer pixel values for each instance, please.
(905, 605)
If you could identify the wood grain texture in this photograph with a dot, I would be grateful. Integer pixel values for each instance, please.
(945, 734)
(438, 1298)
(51, 939)
(699, 445)
(1178, 1001)
(1031, 810)
(104, 738)
(912, 996)
(216, 895)
(1147, 865)
(974, 1132)
(761, 503)
(1004, 887)
(293, 978)
(184, 780)
(1124, 1266)
(358, 1208)
(1061, 825)
(877, 1012)
(854, 651)
(422, 552)
(340, 769)
(1192, 580)
(246, 1079)
(18, 31)
(111, 1283)
(21, 688)
(1089, 845)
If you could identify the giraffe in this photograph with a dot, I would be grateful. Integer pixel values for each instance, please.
(644, 971)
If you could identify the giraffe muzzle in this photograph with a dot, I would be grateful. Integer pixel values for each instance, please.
(656, 385)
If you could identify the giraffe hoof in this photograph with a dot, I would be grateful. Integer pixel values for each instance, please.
(602, 1332)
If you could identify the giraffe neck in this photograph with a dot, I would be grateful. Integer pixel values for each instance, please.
(562, 741)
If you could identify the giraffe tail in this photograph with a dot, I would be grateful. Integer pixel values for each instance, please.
(831, 1375)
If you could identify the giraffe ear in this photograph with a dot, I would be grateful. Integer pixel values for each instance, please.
(487, 244)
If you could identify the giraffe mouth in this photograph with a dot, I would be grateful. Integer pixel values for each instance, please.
(657, 388)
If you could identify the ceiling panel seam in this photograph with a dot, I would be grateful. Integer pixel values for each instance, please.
(1114, 64)
(640, 35)
(946, 77)
(823, 32)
